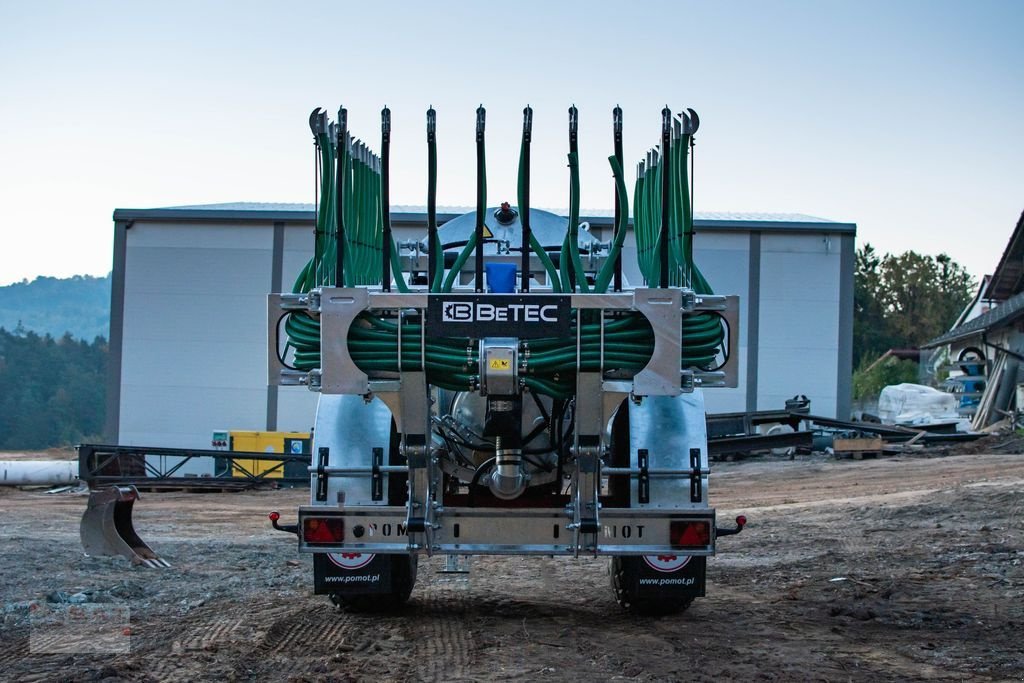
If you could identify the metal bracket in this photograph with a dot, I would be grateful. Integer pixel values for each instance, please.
(339, 307)
(695, 477)
(644, 478)
(663, 310)
(376, 478)
(321, 476)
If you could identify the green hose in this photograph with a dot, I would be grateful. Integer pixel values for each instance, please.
(574, 222)
(535, 244)
(459, 262)
(608, 269)
(622, 343)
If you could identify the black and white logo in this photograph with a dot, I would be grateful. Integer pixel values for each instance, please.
(467, 312)
(458, 312)
(490, 315)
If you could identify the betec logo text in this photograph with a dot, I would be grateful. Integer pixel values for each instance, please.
(469, 312)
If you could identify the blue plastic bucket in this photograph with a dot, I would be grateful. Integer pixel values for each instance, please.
(501, 277)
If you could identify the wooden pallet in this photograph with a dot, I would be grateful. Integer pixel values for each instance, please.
(858, 449)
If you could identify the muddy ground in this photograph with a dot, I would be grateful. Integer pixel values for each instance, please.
(904, 568)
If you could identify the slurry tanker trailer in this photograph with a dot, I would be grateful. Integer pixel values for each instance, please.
(500, 387)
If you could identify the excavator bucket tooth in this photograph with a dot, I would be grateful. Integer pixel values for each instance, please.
(107, 528)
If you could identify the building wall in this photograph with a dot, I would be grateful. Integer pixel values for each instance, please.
(798, 345)
(193, 330)
(194, 311)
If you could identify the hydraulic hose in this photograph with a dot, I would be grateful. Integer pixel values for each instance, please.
(435, 254)
(350, 247)
(524, 205)
(611, 265)
(481, 196)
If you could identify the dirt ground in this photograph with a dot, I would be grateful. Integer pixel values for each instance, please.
(905, 568)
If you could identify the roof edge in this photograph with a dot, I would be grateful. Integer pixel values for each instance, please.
(411, 218)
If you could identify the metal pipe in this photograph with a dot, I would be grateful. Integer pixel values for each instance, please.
(38, 472)
(507, 480)
(625, 471)
(360, 470)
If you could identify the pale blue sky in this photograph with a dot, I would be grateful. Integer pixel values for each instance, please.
(904, 117)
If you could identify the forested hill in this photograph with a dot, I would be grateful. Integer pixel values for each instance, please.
(54, 306)
(51, 390)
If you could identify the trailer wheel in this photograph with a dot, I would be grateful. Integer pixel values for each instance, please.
(403, 567)
(625, 577)
(403, 578)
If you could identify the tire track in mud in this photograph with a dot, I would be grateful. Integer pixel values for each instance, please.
(444, 646)
(313, 629)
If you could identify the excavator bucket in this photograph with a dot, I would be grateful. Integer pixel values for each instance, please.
(107, 529)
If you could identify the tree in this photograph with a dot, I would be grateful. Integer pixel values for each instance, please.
(905, 300)
(51, 390)
(871, 335)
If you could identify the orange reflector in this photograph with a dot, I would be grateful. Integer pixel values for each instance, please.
(689, 533)
(323, 530)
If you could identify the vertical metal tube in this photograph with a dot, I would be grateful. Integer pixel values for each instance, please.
(617, 134)
(666, 144)
(432, 254)
(342, 167)
(524, 210)
(385, 195)
(481, 196)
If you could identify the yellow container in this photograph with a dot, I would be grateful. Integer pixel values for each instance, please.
(266, 442)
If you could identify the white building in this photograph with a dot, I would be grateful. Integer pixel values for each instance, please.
(188, 316)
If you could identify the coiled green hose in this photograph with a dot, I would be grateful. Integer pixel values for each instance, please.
(549, 366)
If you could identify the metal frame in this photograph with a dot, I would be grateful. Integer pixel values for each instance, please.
(93, 459)
(338, 307)
(669, 481)
(504, 531)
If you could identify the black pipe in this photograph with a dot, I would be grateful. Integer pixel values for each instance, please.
(573, 149)
(385, 194)
(481, 116)
(524, 210)
(342, 168)
(617, 133)
(431, 196)
(666, 143)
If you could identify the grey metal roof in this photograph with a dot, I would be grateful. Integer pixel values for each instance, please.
(1004, 314)
(409, 215)
(1008, 278)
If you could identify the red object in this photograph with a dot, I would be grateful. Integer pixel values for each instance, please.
(689, 534)
(274, 516)
(327, 530)
(505, 206)
(741, 521)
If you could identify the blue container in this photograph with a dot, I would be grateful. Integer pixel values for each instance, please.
(501, 277)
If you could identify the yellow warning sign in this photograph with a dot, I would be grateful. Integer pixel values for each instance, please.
(487, 233)
(501, 364)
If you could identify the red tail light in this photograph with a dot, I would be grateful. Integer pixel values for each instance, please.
(689, 533)
(325, 531)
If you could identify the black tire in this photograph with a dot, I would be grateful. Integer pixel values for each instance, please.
(625, 575)
(403, 578)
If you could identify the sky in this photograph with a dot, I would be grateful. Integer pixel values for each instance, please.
(904, 117)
